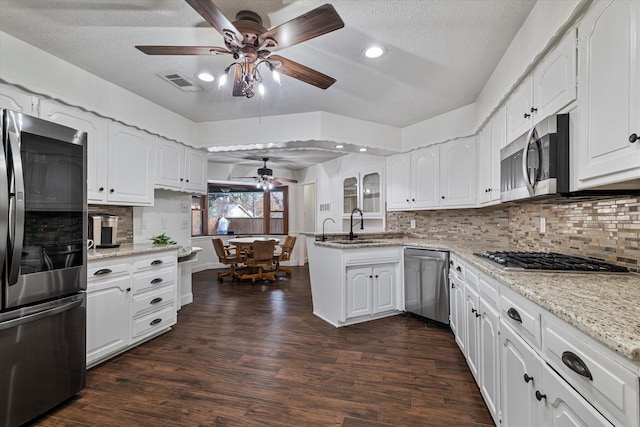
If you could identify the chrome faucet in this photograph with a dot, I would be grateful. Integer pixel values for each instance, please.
(351, 235)
(323, 235)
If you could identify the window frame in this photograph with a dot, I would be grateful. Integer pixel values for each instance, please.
(204, 199)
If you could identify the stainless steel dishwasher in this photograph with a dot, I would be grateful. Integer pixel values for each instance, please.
(426, 283)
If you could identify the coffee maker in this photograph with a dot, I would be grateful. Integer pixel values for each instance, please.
(103, 230)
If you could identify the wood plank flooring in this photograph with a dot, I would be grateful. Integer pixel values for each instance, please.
(255, 355)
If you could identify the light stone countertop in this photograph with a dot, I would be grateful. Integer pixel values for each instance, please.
(128, 249)
(604, 306)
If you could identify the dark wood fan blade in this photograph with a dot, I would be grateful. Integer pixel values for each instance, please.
(319, 21)
(237, 81)
(303, 73)
(277, 178)
(183, 50)
(210, 12)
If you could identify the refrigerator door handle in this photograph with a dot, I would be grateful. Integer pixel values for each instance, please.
(4, 209)
(40, 314)
(17, 210)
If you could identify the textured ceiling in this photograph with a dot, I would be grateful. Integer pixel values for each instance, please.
(440, 52)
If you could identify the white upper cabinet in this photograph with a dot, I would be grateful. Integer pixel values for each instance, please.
(399, 181)
(96, 129)
(131, 166)
(438, 176)
(19, 101)
(458, 173)
(608, 149)
(551, 87)
(180, 168)
(491, 139)
(363, 190)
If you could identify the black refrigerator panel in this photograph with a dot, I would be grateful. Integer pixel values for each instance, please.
(42, 362)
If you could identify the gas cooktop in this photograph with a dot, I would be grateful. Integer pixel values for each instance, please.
(549, 261)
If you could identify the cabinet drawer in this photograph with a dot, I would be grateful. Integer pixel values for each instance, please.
(607, 385)
(153, 299)
(154, 322)
(149, 262)
(106, 270)
(523, 316)
(488, 289)
(153, 279)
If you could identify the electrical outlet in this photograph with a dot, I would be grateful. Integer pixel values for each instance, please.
(163, 223)
(413, 223)
(543, 225)
(185, 224)
(184, 207)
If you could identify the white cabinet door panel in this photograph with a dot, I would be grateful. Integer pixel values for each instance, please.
(425, 177)
(359, 293)
(399, 181)
(384, 279)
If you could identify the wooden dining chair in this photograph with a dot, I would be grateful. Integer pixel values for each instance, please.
(285, 255)
(228, 256)
(261, 258)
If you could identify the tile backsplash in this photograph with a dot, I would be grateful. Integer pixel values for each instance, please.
(125, 220)
(606, 228)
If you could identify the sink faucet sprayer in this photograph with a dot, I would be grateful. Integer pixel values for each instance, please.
(351, 235)
(323, 235)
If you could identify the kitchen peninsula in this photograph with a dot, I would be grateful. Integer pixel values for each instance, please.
(576, 334)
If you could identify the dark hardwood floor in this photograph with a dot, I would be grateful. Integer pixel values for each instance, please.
(255, 355)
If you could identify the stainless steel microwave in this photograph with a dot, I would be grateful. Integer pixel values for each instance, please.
(537, 165)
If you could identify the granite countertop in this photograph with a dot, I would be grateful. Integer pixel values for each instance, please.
(604, 306)
(127, 249)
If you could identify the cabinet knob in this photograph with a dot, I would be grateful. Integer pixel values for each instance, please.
(458, 269)
(112, 191)
(101, 189)
(443, 197)
(407, 200)
(633, 138)
(527, 378)
(181, 179)
(453, 285)
(540, 396)
(413, 200)
(128, 289)
(527, 115)
(187, 180)
(533, 110)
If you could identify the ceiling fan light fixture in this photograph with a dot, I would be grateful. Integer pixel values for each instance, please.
(362, 150)
(205, 76)
(374, 51)
(339, 146)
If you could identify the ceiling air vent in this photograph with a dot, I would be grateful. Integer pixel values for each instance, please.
(181, 82)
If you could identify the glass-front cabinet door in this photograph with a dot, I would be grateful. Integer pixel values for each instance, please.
(371, 200)
(362, 190)
(350, 194)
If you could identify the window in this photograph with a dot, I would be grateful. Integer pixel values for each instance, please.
(242, 210)
(198, 214)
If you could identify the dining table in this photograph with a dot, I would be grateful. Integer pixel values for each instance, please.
(245, 244)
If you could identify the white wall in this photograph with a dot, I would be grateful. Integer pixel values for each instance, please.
(451, 125)
(51, 77)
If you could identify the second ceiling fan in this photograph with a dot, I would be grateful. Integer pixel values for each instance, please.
(251, 44)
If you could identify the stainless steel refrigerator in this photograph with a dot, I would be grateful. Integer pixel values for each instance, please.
(43, 232)
(426, 283)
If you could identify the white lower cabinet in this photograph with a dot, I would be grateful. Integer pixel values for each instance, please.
(520, 373)
(129, 300)
(108, 299)
(532, 368)
(370, 290)
(489, 364)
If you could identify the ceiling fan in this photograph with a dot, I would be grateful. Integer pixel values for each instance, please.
(251, 44)
(265, 178)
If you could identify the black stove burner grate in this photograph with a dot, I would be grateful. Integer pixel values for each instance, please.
(550, 261)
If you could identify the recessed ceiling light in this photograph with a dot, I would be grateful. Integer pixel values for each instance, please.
(362, 149)
(339, 146)
(205, 77)
(374, 51)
